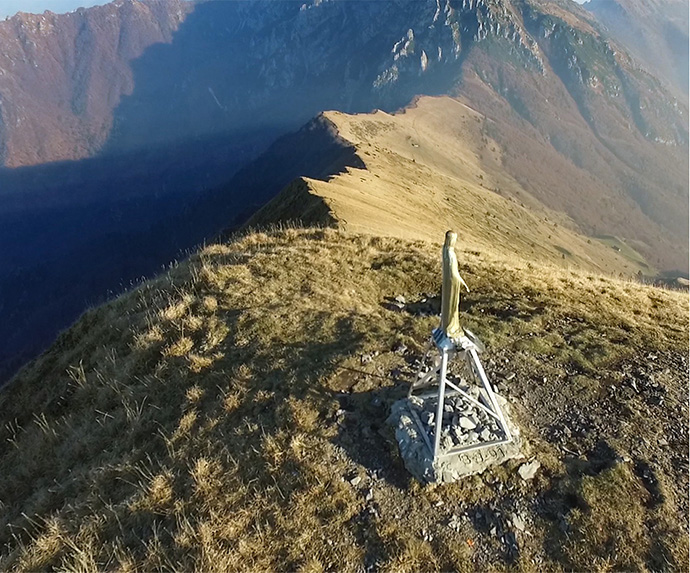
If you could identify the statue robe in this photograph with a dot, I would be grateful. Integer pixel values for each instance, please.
(450, 291)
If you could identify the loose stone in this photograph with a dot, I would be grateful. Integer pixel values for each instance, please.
(529, 470)
(446, 442)
(399, 348)
(518, 522)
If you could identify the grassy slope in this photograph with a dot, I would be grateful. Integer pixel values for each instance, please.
(439, 169)
(207, 420)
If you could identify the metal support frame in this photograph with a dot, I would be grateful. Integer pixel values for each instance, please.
(448, 349)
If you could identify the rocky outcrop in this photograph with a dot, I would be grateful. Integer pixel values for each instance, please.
(136, 74)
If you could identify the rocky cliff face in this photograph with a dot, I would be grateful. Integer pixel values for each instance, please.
(133, 74)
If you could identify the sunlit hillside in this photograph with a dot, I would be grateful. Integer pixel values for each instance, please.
(230, 416)
(432, 168)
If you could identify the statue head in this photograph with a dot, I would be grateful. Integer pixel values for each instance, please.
(451, 237)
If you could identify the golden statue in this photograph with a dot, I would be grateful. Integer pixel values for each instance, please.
(450, 291)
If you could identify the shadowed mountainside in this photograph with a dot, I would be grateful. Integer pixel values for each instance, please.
(128, 232)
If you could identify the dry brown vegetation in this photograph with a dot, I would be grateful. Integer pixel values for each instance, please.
(436, 167)
(213, 419)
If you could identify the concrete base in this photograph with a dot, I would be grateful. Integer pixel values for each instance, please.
(418, 458)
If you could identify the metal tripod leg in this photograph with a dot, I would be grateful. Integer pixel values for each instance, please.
(476, 365)
(441, 394)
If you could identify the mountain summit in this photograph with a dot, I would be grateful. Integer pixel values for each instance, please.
(231, 416)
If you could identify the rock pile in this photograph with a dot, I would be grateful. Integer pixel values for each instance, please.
(415, 452)
(464, 423)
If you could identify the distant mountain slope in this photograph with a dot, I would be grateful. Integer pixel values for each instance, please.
(135, 74)
(654, 31)
(61, 76)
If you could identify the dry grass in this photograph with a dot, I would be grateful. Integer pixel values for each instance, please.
(212, 419)
(422, 178)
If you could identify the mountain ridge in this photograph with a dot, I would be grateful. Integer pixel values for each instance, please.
(574, 119)
(441, 119)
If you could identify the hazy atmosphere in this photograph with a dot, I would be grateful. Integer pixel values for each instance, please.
(11, 7)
